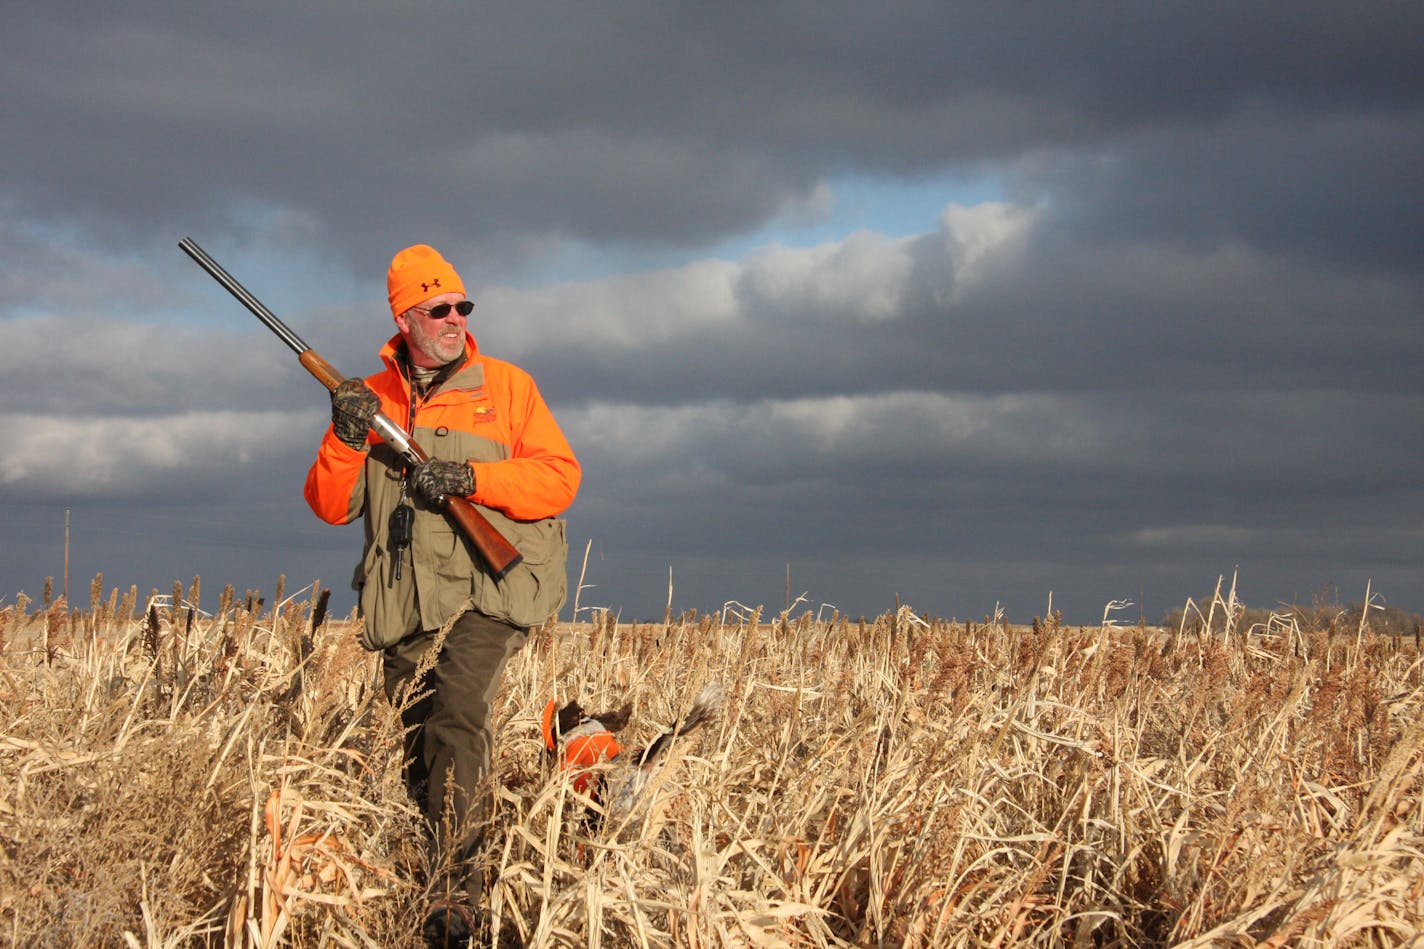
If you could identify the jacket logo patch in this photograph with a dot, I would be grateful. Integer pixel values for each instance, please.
(484, 413)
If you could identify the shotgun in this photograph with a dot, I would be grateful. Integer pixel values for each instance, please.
(499, 553)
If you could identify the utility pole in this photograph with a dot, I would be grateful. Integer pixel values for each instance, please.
(66, 557)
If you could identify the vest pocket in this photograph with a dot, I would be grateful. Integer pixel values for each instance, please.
(534, 590)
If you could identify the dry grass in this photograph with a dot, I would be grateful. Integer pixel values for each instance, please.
(174, 779)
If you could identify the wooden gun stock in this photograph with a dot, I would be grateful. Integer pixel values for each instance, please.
(498, 553)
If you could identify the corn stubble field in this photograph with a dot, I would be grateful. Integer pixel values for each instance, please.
(176, 778)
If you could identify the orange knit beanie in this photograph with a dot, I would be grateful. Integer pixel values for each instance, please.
(417, 274)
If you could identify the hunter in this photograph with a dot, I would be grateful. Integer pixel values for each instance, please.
(490, 438)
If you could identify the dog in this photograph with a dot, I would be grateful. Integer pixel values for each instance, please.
(589, 740)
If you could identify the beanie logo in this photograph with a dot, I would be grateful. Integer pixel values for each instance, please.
(433, 283)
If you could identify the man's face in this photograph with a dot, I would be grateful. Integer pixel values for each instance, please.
(433, 342)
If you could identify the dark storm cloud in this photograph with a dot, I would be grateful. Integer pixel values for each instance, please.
(1329, 186)
(641, 121)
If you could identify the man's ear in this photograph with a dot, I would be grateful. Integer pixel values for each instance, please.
(402, 322)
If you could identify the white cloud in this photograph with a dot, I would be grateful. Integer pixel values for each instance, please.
(53, 455)
(618, 313)
(864, 278)
(867, 431)
(71, 362)
(977, 236)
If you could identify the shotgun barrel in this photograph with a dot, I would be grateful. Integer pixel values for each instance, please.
(497, 551)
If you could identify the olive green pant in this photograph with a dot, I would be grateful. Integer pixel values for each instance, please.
(449, 737)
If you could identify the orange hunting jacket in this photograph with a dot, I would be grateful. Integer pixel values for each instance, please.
(490, 414)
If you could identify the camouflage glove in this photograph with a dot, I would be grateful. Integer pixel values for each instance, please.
(436, 479)
(352, 406)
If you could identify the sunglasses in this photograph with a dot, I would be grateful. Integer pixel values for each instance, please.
(442, 310)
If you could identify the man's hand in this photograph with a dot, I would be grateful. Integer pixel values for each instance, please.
(436, 479)
(353, 404)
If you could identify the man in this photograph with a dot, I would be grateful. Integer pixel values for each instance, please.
(491, 439)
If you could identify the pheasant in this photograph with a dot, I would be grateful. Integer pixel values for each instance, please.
(590, 739)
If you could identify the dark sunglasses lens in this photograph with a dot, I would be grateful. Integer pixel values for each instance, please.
(442, 310)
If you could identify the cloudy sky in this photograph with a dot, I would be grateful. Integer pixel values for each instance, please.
(945, 304)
